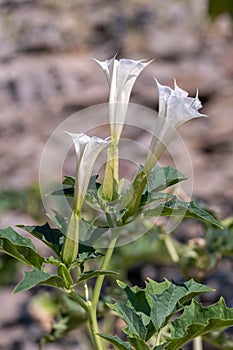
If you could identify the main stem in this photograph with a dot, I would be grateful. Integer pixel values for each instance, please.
(93, 304)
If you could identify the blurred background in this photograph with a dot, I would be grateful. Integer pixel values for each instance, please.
(46, 74)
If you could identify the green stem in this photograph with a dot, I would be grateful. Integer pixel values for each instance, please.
(93, 304)
(91, 312)
(197, 343)
(100, 278)
(79, 300)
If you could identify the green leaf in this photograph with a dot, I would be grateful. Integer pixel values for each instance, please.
(153, 287)
(173, 299)
(116, 341)
(69, 184)
(138, 344)
(52, 237)
(69, 180)
(19, 247)
(163, 177)
(89, 233)
(137, 298)
(37, 277)
(132, 319)
(176, 207)
(90, 274)
(197, 321)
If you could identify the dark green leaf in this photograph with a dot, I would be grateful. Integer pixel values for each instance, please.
(37, 277)
(19, 247)
(176, 207)
(116, 341)
(137, 298)
(141, 301)
(133, 320)
(69, 180)
(165, 304)
(90, 274)
(50, 236)
(163, 177)
(197, 321)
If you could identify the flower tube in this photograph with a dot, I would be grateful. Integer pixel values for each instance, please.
(87, 150)
(175, 108)
(121, 76)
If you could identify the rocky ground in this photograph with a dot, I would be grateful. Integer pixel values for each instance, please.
(46, 74)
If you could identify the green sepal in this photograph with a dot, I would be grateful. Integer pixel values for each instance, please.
(70, 246)
(64, 273)
(19, 247)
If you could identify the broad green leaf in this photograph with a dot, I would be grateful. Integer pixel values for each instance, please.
(37, 277)
(153, 287)
(165, 304)
(176, 207)
(163, 177)
(90, 274)
(137, 298)
(141, 301)
(50, 236)
(138, 344)
(132, 319)
(116, 341)
(197, 321)
(19, 247)
(140, 298)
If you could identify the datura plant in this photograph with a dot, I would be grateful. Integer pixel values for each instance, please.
(162, 315)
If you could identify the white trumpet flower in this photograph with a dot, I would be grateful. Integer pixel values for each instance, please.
(175, 108)
(87, 150)
(121, 76)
